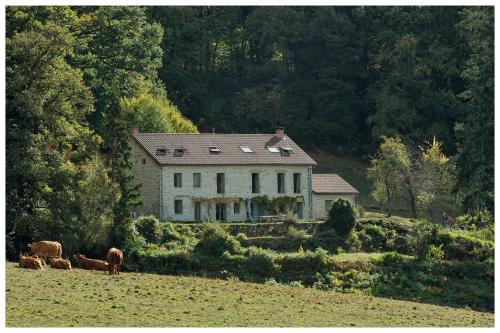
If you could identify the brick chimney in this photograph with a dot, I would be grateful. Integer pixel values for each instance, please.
(134, 130)
(280, 132)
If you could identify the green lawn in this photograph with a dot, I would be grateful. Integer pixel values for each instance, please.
(86, 298)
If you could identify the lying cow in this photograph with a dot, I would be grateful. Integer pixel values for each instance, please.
(46, 249)
(114, 259)
(42, 262)
(93, 264)
(59, 263)
(28, 262)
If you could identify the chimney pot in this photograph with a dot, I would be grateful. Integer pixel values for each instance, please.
(280, 132)
(134, 130)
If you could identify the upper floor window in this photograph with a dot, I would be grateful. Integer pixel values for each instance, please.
(255, 183)
(281, 182)
(296, 183)
(221, 183)
(177, 179)
(196, 179)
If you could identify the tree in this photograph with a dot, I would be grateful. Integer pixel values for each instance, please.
(388, 171)
(47, 135)
(475, 128)
(341, 218)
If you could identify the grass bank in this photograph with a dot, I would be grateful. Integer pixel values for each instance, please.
(84, 298)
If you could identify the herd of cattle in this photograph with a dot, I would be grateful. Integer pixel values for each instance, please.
(49, 253)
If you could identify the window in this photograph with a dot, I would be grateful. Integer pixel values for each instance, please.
(143, 160)
(178, 152)
(273, 149)
(197, 211)
(213, 150)
(196, 179)
(220, 183)
(328, 205)
(246, 149)
(255, 183)
(281, 182)
(236, 207)
(296, 183)
(285, 151)
(177, 179)
(161, 151)
(220, 212)
(178, 206)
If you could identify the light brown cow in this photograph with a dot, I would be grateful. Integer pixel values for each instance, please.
(46, 249)
(61, 264)
(114, 259)
(93, 264)
(42, 262)
(28, 262)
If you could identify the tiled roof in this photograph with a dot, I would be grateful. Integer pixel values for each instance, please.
(331, 183)
(196, 149)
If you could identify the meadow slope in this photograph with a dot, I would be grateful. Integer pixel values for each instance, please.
(86, 298)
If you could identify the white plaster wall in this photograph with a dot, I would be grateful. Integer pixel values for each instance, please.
(319, 211)
(238, 183)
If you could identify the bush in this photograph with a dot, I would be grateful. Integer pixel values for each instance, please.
(261, 262)
(161, 261)
(360, 211)
(149, 228)
(353, 243)
(241, 237)
(304, 266)
(433, 252)
(341, 218)
(214, 241)
(463, 247)
(291, 221)
(373, 238)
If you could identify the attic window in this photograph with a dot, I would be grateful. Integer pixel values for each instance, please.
(285, 151)
(179, 151)
(246, 149)
(161, 151)
(213, 150)
(273, 149)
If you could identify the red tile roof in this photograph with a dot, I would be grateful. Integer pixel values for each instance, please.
(331, 183)
(196, 149)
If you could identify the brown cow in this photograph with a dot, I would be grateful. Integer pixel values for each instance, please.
(61, 264)
(86, 263)
(28, 262)
(114, 259)
(46, 249)
(42, 262)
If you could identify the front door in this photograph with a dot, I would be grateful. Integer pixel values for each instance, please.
(220, 212)
(197, 211)
(298, 209)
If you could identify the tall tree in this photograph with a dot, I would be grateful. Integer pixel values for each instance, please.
(475, 129)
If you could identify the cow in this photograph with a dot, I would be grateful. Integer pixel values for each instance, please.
(42, 262)
(61, 264)
(92, 264)
(114, 259)
(46, 249)
(28, 262)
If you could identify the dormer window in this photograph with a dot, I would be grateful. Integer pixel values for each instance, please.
(179, 151)
(246, 149)
(161, 151)
(213, 150)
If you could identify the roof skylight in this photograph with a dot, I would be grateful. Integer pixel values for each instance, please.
(273, 149)
(161, 151)
(246, 149)
(213, 150)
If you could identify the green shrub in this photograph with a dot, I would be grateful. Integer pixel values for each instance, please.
(161, 261)
(149, 228)
(360, 211)
(291, 221)
(341, 218)
(392, 259)
(373, 238)
(214, 241)
(177, 237)
(353, 243)
(304, 266)
(433, 252)
(463, 247)
(261, 262)
(241, 237)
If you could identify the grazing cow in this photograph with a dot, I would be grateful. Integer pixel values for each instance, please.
(28, 262)
(114, 259)
(61, 264)
(46, 249)
(93, 264)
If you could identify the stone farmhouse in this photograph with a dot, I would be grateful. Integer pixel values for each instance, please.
(230, 177)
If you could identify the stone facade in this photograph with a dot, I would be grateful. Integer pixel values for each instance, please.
(320, 201)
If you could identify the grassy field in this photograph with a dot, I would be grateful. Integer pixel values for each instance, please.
(86, 298)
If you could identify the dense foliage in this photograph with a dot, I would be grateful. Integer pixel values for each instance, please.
(341, 218)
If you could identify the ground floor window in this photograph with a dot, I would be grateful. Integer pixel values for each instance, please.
(220, 212)
(197, 211)
(299, 206)
(236, 208)
(178, 206)
(257, 210)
